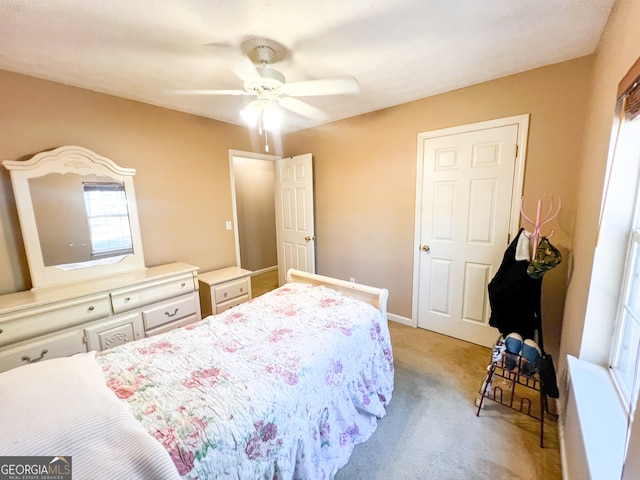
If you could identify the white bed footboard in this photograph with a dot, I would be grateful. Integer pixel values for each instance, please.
(372, 295)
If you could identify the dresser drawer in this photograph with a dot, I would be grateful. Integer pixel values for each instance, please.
(231, 290)
(127, 299)
(183, 322)
(221, 307)
(42, 348)
(114, 332)
(53, 317)
(170, 311)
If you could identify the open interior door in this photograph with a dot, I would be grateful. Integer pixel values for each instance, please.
(294, 215)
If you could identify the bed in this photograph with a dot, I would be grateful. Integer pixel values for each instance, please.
(281, 387)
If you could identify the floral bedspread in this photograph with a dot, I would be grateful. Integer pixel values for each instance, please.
(280, 387)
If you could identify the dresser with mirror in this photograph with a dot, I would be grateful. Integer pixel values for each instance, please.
(90, 288)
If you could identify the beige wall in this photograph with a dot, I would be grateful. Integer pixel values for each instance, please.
(256, 212)
(365, 176)
(182, 162)
(365, 170)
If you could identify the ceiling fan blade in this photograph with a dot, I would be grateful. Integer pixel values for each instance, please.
(323, 86)
(244, 69)
(241, 66)
(303, 109)
(211, 92)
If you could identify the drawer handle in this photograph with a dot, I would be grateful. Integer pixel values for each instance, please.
(1, 330)
(172, 314)
(225, 294)
(183, 285)
(126, 299)
(241, 289)
(91, 308)
(28, 360)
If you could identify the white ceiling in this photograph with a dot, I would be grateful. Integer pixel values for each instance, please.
(398, 50)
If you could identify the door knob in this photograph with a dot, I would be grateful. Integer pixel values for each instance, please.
(425, 248)
(308, 238)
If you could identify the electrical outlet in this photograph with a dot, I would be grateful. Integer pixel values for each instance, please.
(228, 224)
(352, 280)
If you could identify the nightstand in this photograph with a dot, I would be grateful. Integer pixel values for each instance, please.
(222, 289)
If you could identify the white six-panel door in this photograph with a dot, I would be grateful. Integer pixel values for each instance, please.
(466, 201)
(294, 215)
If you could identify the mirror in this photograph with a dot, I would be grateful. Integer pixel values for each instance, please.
(80, 219)
(78, 216)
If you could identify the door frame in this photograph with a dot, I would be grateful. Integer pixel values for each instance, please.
(234, 207)
(518, 184)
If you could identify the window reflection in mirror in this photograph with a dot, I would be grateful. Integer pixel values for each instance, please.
(106, 205)
(73, 229)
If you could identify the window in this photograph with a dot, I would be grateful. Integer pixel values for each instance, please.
(625, 363)
(106, 205)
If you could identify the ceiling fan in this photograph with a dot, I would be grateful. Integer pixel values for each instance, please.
(271, 90)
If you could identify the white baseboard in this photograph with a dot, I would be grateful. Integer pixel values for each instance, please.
(264, 270)
(399, 319)
(561, 439)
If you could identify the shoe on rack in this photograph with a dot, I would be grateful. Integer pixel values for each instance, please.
(513, 345)
(485, 389)
(530, 353)
(498, 348)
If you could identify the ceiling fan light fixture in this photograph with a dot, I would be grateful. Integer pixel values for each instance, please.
(264, 113)
(251, 113)
(271, 116)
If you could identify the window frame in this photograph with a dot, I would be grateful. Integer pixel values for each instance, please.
(123, 216)
(627, 391)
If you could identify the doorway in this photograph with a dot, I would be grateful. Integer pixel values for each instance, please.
(273, 212)
(469, 185)
(253, 194)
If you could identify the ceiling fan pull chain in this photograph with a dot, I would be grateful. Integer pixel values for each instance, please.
(262, 129)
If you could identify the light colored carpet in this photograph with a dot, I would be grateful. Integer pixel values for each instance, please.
(431, 430)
